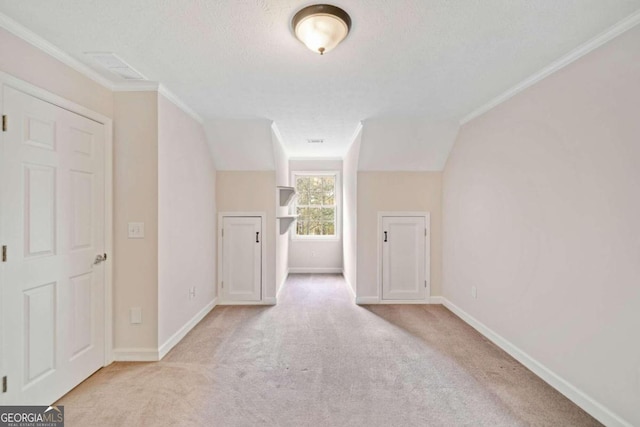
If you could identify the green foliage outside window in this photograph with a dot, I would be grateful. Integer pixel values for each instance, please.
(316, 205)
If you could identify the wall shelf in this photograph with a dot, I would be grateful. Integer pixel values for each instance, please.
(286, 195)
(286, 222)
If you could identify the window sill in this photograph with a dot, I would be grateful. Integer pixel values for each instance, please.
(315, 238)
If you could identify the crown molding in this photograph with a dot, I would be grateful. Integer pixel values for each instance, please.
(162, 90)
(278, 135)
(353, 138)
(32, 38)
(621, 27)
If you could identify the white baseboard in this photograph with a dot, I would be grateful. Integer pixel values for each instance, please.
(182, 332)
(302, 270)
(580, 398)
(269, 301)
(367, 300)
(350, 288)
(284, 280)
(135, 355)
(436, 300)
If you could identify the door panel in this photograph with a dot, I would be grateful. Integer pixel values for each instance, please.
(53, 199)
(403, 258)
(242, 259)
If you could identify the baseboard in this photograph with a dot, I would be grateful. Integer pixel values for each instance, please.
(269, 301)
(135, 355)
(367, 300)
(182, 332)
(284, 280)
(349, 287)
(436, 300)
(594, 408)
(302, 270)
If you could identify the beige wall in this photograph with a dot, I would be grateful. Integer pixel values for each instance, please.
(29, 63)
(541, 214)
(317, 255)
(395, 191)
(186, 219)
(136, 200)
(282, 240)
(349, 211)
(252, 191)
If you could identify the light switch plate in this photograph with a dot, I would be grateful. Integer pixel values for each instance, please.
(136, 230)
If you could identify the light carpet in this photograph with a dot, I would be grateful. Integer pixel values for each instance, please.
(317, 359)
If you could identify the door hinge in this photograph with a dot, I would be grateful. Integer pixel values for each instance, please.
(222, 284)
(4, 384)
(4, 123)
(425, 283)
(223, 232)
(4, 253)
(425, 231)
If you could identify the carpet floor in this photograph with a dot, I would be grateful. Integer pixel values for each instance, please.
(317, 359)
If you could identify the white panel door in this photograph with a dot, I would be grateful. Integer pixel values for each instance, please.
(53, 224)
(403, 258)
(241, 259)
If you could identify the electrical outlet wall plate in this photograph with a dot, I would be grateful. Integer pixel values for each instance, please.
(135, 230)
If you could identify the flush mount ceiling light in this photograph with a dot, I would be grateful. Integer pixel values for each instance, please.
(321, 27)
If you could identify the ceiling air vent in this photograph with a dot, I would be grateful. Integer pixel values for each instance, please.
(315, 141)
(111, 62)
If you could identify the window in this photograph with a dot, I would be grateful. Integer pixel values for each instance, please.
(316, 205)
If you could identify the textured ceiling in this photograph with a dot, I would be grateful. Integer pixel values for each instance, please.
(237, 59)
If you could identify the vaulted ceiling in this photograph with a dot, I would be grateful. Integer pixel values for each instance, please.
(433, 60)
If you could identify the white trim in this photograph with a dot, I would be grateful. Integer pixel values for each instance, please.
(436, 300)
(580, 398)
(32, 38)
(135, 355)
(313, 270)
(44, 95)
(352, 292)
(263, 243)
(338, 198)
(613, 32)
(278, 135)
(162, 90)
(427, 254)
(35, 40)
(182, 332)
(284, 280)
(303, 158)
(353, 139)
(367, 300)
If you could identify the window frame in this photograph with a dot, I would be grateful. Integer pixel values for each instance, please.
(338, 200)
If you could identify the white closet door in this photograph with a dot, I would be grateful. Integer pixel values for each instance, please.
(403, 258)
(53, 224)
(242, 259)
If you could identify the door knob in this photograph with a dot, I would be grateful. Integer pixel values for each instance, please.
(100, 258)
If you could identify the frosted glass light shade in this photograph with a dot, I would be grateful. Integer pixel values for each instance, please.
(321, 27)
